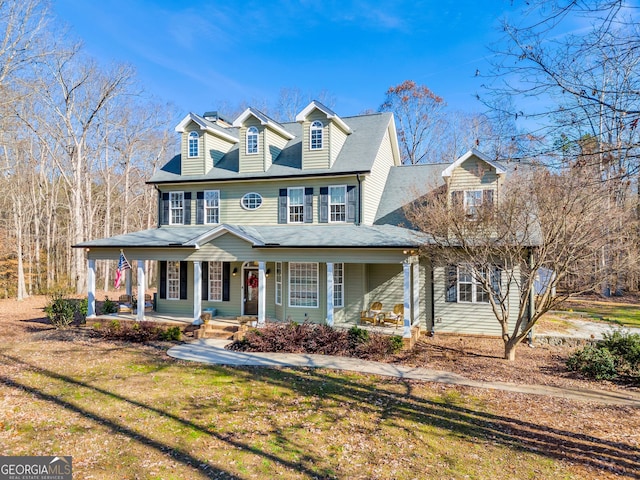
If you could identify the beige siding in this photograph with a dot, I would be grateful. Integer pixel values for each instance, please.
(253, 162)
(215, 148)
(386, 284)
(192, 165)
(373, 185)
(354, 291)
(312, 159)
(275, 143)
(474, 173)
(337, 137)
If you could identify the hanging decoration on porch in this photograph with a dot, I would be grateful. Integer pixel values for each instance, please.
(123, 264)
(252, 283)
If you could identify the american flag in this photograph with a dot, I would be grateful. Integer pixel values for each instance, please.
(123, 265)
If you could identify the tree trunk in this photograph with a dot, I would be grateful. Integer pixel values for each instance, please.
(510, 349)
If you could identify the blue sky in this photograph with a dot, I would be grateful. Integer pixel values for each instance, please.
(201, 54)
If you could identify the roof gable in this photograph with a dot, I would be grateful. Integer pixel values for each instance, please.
(204, 125)
(473, 153)
(331, 115)
(264, 120)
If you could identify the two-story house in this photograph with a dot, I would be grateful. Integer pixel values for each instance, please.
(301, 221)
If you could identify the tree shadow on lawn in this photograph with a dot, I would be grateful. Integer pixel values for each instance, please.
(375, 400)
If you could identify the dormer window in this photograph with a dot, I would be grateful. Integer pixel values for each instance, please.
(252, 140)
(315, 135)
(193, 144)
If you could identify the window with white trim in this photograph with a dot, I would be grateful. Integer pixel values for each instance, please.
(252, 140)
(315, 135)
(303, 284)
(251, 201)
(212, 206)
(338, 203)
(464, 283)
(295, 200)
(176, 208)
(194, 144)
(278, 283)
(472, 202)
(173, 280)
(215, 281)
(338, 284)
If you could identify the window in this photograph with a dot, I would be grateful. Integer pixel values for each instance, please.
(470, 285)
(252, 140)
(338, 203)
(296, 204)
(173, 280)
(251, 201)
(212, 206)
(176, 207)
(472, 202)
(315, 135)
(278, 283)
(193, 144)
(303, 284)
(215, 281)
(338, 284)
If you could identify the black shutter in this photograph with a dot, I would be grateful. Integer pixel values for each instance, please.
(164, 209)
(487, 198)
(199, 208)
(163, 279)
(205, 281)
(352, 203)
(282, 206)
(324, 205)
(226, 277)
(457, 198)
(183, 280)
(187, 208)
(450, 283)
(308, 205)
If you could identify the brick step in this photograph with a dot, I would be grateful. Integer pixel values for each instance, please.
(220, 328)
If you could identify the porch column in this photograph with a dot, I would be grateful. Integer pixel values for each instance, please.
(91, 289)
(416, 293)
(141, 284)
(406, 268)
(127, 282)
(197, 293)
(330, 294)
(262, 294)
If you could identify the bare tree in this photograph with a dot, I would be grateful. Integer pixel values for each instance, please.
(543, 229)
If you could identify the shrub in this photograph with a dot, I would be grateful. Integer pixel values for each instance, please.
(138, 332)
(109, 306)
(396, 344)
(357, 337)
(60, 310)
(594, 361)
(171, 334)
(625, 347)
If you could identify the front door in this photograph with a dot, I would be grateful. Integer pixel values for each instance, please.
(251, 291)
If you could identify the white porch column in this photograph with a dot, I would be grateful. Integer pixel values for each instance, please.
(330, 294)
(141, 284)
(197, 292)
(262, 294)
(127, 282)
(406, 268)
(91, 289)
(416, 292)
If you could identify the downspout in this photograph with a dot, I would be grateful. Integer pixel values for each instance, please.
(358, 220)
(532, 298)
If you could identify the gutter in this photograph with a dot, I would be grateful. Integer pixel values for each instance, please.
(180, 181)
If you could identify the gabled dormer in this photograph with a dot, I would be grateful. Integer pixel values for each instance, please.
(204, 142)
(323, 135)
(261, 140)
(473, 180)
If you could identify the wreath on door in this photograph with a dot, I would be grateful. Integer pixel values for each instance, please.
(252, 281)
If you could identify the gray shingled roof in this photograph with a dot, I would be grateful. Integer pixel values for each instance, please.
(269, 236)
(404, 184)
(356, 156)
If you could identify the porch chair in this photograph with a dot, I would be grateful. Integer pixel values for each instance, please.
(396, 317)
(372, 315)
(124, 304)
(148, 303)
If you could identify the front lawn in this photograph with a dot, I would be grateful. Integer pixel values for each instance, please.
(619, 313)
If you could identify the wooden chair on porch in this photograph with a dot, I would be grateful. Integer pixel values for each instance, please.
(148, 303)
(125, 304)
(372, 315)
(396, 317)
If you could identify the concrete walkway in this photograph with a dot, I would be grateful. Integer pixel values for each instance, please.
(212, 352)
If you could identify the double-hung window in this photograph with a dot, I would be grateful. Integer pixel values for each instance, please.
(338, 284)
(315, 135)
(303, 284)
(296, 204)
(176, 208)
(193, 144)
(173, 280)
(212, 206)
(252, 140)
(464, 284)
(472, 202)
(338, 203)
(215, 281)
(278, 283)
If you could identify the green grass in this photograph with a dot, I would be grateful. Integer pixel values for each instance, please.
(627, 315)
(131, 412)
